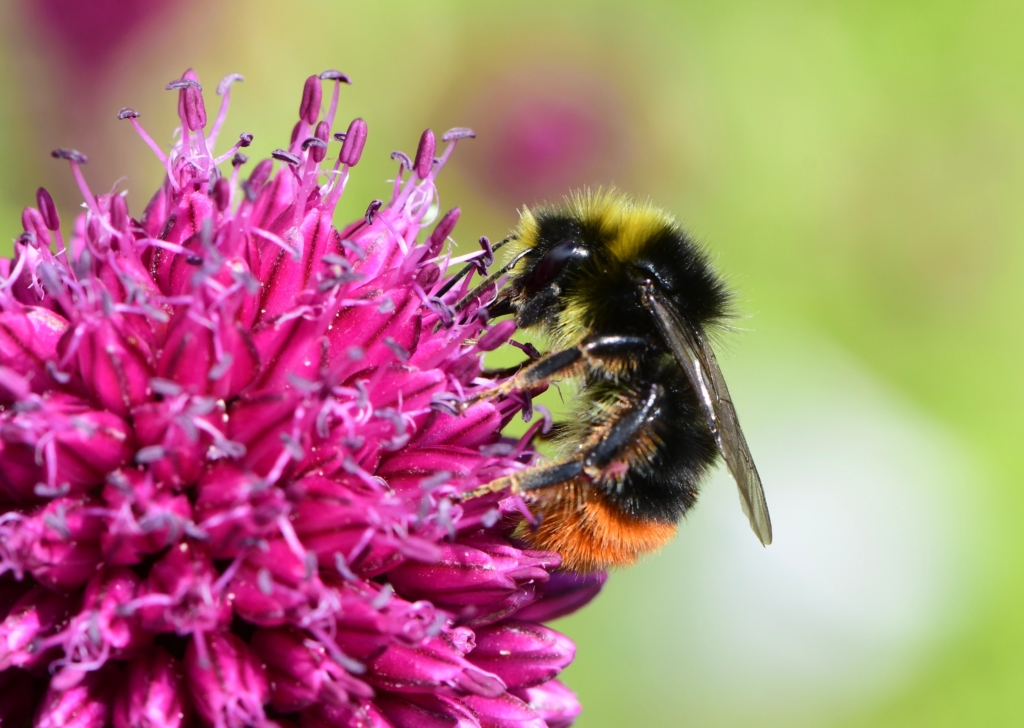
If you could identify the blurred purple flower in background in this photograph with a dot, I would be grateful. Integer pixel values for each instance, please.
(549, 128)
(90, 34)
(230, 465)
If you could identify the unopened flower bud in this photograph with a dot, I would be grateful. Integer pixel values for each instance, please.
(425, 154)
(355, 140)
(309, 108)
(522, 654)
(151, 694)
(49, 210)
(86, 705)
(441, 231)
(553, 702)
(228, 685)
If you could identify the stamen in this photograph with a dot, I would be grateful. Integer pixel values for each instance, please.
(223, 89)
(77, 158)
(403, 159)
(132, 116)
(459, 132)
(309, 108)
(425, 154)
(72, 155)
(284, 156)
(339, 78)
(371, 211)
(452, 136)
(244, 140)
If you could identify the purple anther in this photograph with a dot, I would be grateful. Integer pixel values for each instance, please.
(127, 113)
(402, 158)
(459, 132)
(221, 194)
(371, 211)
(309, 108)
(317, 147)
(295, 132)
(72, 155)
(239, 159)
(332, 75)
(355, 140)
(225, 83)
(339, 136)
(245, 139)
(47, 208)
(285, 156)
(441, 232)
(425, 154)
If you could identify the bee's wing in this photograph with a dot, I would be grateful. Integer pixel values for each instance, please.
(698, 361)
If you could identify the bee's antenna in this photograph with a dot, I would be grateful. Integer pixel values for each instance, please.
(462, 273)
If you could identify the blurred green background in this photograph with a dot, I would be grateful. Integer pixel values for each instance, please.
(855, 169)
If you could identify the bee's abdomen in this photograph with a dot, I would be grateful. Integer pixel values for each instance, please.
(591, 533)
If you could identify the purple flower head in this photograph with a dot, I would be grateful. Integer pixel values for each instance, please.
(231, 466)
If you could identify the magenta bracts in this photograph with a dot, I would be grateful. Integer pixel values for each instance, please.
(230, 464)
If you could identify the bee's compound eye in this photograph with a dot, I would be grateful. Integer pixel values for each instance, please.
(554, 262)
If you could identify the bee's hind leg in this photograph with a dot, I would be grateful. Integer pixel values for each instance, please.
(597, 456)
(524, 481)
(594, 352)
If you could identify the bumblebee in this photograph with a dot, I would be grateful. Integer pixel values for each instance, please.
(627, 301)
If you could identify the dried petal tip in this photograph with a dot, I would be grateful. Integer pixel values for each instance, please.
(309, 107)
(332, 75)
(72, 155)
(190, 101)
(47, 208)
(180, 84)
(441, 232)
(355, 140)
(425, 154)
(225, 83)
(285, 156)
(127, 113)
(459, 132)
